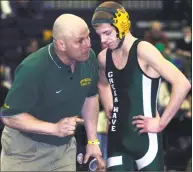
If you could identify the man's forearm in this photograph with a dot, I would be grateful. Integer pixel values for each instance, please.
(90, 113)
(178, 95)
(28, 123)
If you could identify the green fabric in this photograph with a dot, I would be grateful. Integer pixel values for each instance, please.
(160, 47)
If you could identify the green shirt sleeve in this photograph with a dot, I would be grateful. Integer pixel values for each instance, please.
(24, 93)
(94, 69)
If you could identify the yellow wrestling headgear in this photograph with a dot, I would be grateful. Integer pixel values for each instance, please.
(117, 16)
(121, 22)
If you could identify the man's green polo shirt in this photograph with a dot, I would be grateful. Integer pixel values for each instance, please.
(47, 89)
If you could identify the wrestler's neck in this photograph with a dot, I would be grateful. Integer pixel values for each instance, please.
(127, 43)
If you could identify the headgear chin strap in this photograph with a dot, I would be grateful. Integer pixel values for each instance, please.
(120, 20)
(120, 43)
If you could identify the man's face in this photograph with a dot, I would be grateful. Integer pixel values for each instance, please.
(78, 45)
(108, 36)
(33, 46)
(156, 30)
(187, 32)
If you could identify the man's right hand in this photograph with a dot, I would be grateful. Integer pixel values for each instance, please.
(67, 126)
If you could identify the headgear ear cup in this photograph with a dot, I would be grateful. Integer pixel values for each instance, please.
(122, 22)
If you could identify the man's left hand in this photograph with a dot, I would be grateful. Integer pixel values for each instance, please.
(147, 124)
(94, 151)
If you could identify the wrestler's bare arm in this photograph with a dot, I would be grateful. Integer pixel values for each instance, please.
(103, 85)
(180, 84)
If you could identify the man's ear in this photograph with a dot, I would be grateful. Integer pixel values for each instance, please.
(64, 46)
(61, 45)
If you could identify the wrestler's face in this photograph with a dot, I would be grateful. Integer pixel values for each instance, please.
(108, 35)
(78, 44)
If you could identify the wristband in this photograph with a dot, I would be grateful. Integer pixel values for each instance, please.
(93, 142)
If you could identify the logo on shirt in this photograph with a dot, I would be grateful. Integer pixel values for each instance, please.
(6, 106)
(85, 82)
(58, 91)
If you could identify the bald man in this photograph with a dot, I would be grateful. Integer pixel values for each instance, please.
(52, 88)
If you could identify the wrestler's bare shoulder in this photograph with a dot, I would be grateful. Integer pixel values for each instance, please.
(102, 57)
